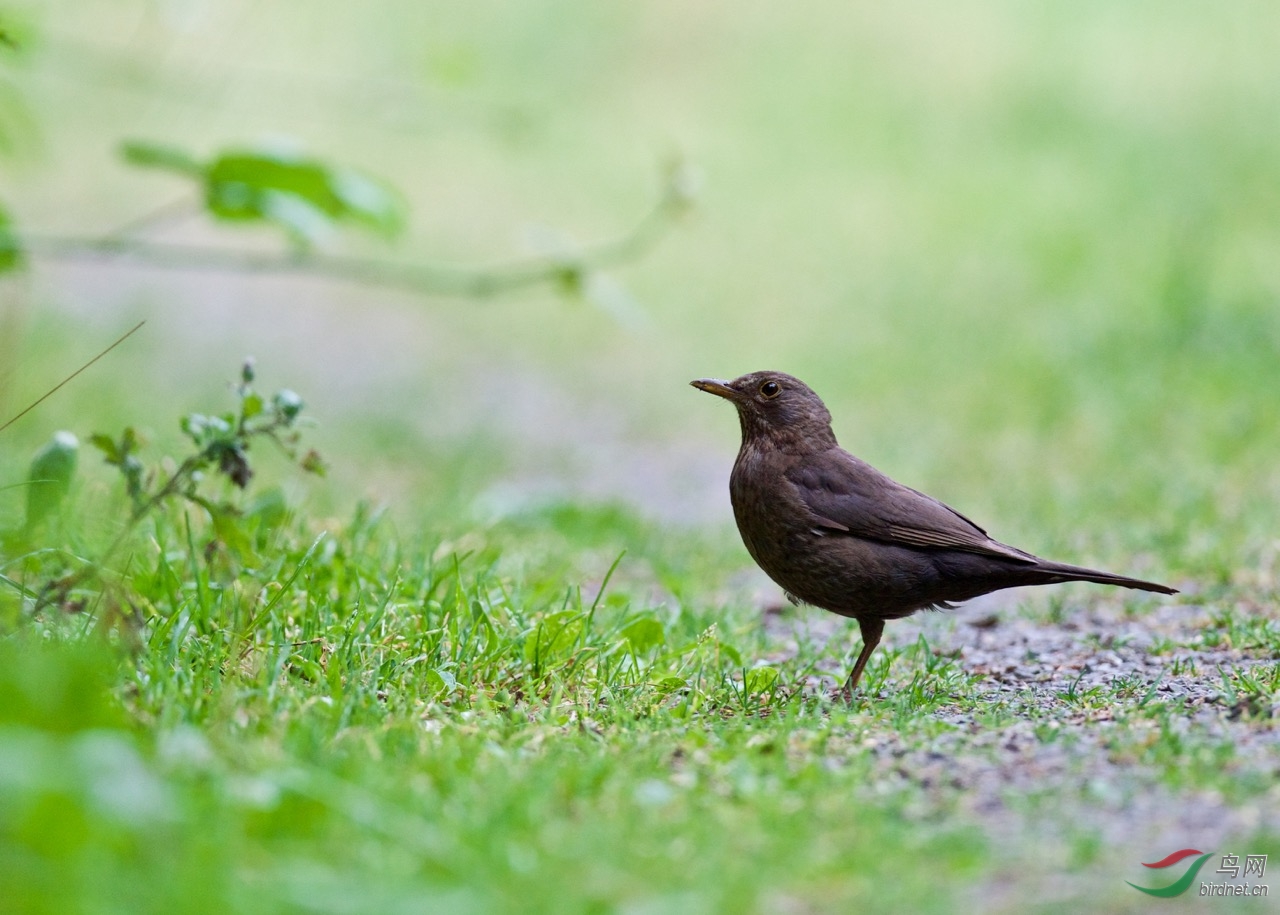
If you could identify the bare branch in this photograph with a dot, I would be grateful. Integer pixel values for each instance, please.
(430, 279)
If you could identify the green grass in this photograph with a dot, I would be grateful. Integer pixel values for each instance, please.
(353, 724)
(352, 727)
(1024, 253)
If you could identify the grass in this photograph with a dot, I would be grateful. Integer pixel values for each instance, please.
(353, 728)
(353, 724)
(1025, 255)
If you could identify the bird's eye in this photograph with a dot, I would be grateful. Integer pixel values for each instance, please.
(771, 389)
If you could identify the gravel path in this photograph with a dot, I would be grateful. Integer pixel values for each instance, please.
(1070, 767)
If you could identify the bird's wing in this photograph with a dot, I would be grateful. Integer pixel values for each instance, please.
(847, 494)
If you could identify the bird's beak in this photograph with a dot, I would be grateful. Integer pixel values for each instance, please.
(716, 387)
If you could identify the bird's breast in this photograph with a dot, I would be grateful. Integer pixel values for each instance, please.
(817, 565)
(775, 525)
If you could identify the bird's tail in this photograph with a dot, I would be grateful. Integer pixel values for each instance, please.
(1058, 571)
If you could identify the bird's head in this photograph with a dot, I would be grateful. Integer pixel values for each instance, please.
(775, 405)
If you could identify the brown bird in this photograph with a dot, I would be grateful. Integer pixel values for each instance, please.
(835, 532)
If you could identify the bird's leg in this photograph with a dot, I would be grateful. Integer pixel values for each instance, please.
(872, 629)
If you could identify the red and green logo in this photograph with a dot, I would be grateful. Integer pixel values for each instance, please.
(1183, 883)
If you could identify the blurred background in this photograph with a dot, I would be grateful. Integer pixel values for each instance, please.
(1026, 253)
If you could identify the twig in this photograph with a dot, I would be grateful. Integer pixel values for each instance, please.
(480, 282)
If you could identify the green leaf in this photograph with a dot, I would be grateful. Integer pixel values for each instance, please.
(49, 478)
(229, 527)
(760, 680)
(251, 405)
(303, 195)
(730, 653)
(555, 636)
(269, 509)
(107, 445)
(120, 454)
(669, 684)
(307, 223)
(194, 425)
(441, 681)
(644, 634)
(203, 430)
(369, 200)
(156, 155)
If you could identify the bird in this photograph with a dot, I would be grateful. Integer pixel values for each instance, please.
(834, 532)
